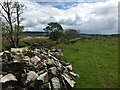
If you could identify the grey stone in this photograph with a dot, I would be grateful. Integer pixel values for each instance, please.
(8, 77)
(43, 77)
(55, 83)
(35, 60)
(31, 76)
(53, 70)
(69, 81)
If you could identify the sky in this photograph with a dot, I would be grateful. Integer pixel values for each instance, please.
(86, 16)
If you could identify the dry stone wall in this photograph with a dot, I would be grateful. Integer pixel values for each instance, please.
(35, 69)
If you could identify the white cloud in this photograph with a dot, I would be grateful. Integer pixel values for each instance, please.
(98, 17)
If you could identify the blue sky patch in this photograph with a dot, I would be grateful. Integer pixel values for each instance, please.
(60, 5)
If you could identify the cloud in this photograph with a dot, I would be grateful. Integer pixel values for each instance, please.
(97, 17)
(69, 0)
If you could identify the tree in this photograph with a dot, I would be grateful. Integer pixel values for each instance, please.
(54, 30)
(11, 19)
(71, 34)
(0, 36)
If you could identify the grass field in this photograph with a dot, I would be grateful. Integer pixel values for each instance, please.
(95, 61)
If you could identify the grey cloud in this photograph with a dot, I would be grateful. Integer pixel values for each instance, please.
(105, 25)
(76, 20)
(105, 10)
(29, 23)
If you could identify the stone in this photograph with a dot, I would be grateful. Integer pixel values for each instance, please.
(50, 61)
(1, 76)
(69, 81)
(1, 53)
(43, 77)
(7, 56)
(31, 76)
(55, 83)
(8, 77)
(35, 60)
(67, 76)
(53, 70)
(73, 74)
(41, 72)
(18, 50)
(69, 67)
(26, 58)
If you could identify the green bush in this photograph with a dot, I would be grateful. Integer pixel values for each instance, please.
(55, 35)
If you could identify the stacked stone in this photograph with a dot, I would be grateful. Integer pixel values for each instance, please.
(35, 69)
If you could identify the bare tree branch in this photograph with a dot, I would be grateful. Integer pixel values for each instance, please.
(5, 26)
(4, 17)
(3, 8)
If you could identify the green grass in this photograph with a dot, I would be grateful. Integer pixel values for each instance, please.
(95, 61)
